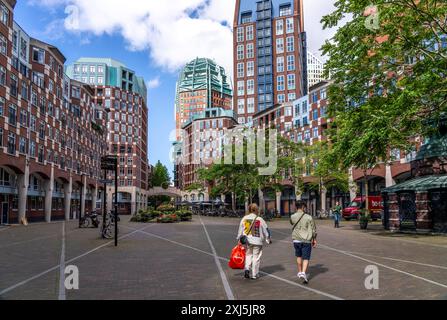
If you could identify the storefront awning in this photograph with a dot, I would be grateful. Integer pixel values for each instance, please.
(420, 184)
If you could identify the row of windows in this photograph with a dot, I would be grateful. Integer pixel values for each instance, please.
(247, 33)
(291, 83)
(85, 68)
(280, 26)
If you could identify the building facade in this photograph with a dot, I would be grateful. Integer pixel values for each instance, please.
(203, 141)
(315, 69)
(203, 109)
(119, 91)
(51, 132)
(269, 55)
(202, 85)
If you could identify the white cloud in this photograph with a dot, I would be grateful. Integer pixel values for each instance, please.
(175, 31)
(153, 83)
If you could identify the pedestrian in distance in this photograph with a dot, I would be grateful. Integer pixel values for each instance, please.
(253, 233)
(304, 235)
(337, 214)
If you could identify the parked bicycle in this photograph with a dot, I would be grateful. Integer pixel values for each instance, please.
(109, 229)
(90, 219)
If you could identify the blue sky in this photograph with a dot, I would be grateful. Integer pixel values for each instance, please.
(153, 37)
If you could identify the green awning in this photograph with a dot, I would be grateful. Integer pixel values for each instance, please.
(420, 184)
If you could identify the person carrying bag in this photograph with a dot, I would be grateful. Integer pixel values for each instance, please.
(253, 232)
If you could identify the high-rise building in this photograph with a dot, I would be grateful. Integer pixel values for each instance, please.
(270, 55)
(203, 112)
(202, 85)
(315, 69)
(121, 92)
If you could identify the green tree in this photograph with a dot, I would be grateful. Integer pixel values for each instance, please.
(386, 81)
(160, 176)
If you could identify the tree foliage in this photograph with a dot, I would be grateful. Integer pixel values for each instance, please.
(386, 82)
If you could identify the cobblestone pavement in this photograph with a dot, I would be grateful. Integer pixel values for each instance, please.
(189, 261)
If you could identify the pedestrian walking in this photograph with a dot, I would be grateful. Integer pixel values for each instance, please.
(253, 233)
(304, 235)
(337, 214)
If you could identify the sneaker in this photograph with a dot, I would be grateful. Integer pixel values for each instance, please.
(247, 274)
(299, 275)
(305, 279)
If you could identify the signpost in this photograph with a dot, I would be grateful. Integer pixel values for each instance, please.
(110, 163)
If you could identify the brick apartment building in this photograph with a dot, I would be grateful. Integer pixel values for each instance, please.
(51, 133)
(270, 55)
(117, 89)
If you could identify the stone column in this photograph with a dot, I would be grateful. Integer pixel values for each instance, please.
(68, 190)
(424, 222)
(278, 202)
(22, 188)
(389, 177)
(133, 203)
(110, 198)
(394, 220)
(352, 185)
(95, 197)
(83, 195)
(49, 186)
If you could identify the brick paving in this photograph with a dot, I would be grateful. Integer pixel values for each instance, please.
(175, 261)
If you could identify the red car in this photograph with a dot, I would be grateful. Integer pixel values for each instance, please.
(359, 203)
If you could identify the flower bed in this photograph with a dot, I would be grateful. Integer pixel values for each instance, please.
(163, 214)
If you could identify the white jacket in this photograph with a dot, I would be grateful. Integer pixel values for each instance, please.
(259, 233)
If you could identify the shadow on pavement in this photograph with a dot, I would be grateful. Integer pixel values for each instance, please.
(316, 270)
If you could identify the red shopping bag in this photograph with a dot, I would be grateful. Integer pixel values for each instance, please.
(237, 259)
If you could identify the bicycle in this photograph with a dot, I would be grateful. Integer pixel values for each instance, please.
(90, 219)
(108, 231)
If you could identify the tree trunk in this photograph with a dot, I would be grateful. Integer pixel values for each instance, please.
(366, 192)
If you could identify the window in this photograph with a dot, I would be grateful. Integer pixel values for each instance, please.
(289, 25)
(323, 94)
(38, 55)
(281, 98)
(92, 69)
(23, 118)
(24, 91)
(240, 52)
(250, 68)
(280, 83)
(33, 123)
(240, 70)
(240, 34)
(22, 145)
(291, 97)
(316, 132)
(41, 154)
(1, 137)
(251, 105)
(241, 106)
(285, 10)
(2, 76)
(280, 45)
(290, 44)
(291, 82)
(290, 63)
(4, 15)
(3, 45)
(11, 143)
(23, 49)
(92, 80)
(279, 27)
(315, 114)
(246, 17)
(12, 115)
(14, 85)
(280, 64)
(250, 86)
(84, 68)
(250, 51)
(240, 88)
(100, 80)
(39, 79)
(249, 31)
(2, 106)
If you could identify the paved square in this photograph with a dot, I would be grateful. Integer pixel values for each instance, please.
(189, 261)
